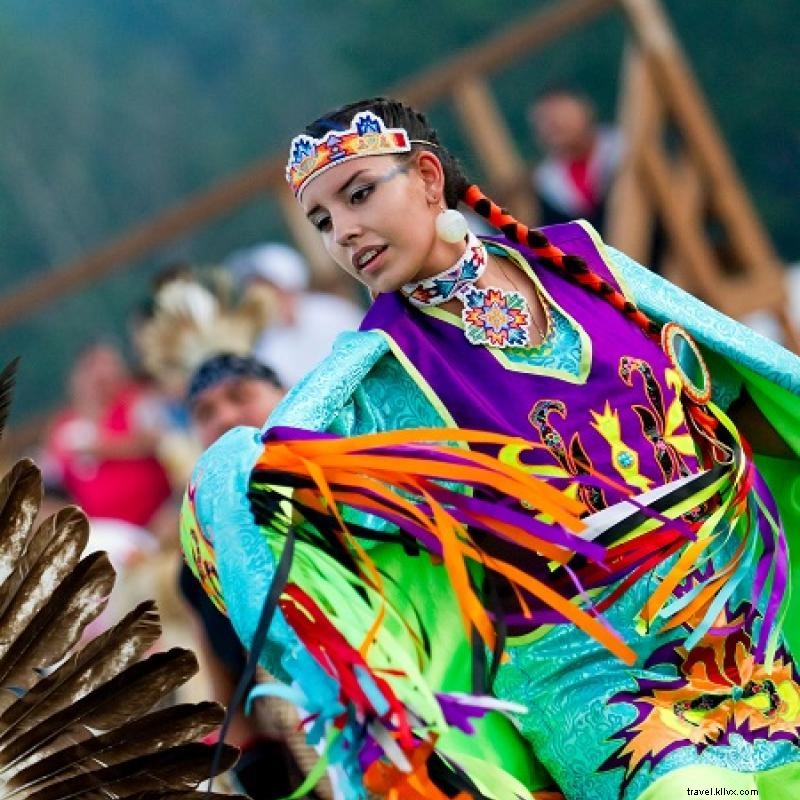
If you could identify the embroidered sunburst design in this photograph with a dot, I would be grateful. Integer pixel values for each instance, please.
(721, 690)
(496, 318)
(199, 549)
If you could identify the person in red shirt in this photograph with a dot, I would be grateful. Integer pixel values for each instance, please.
(101, 449)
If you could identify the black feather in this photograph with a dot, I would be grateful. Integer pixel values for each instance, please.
(46, 575)
(7, 378)
(178, 768)
(37, 542)
(98, 662)
(152, 733)
(125, 697)
(83, 730)
(57, 626)
(20, 500)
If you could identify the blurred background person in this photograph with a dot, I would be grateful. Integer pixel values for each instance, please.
(191, 316)
(225, 391)
(100, 452)
(305, 323)
(101, 448)
(229, 390)
(580, 158)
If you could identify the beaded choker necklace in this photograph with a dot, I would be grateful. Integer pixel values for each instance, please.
(491, 316)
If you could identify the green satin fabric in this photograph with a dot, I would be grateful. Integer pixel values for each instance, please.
(782, 409)
(780, 783)
(426, 595)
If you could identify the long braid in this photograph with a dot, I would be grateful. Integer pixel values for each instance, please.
(573, 267)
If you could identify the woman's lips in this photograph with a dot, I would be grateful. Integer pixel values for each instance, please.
(368, 259)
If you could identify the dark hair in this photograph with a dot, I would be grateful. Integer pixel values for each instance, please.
(398, 115)
(224, 366)
(458, 189)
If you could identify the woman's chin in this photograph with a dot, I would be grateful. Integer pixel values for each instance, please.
(383, 285)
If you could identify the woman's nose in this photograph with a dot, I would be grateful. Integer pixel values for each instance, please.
(346, 228)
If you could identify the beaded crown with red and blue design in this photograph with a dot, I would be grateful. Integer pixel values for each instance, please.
(366, 136)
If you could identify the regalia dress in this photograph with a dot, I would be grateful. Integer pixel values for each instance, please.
(694, 578)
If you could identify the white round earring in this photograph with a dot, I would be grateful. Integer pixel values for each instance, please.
(451, 226)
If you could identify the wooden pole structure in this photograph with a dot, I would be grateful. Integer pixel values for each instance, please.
(685, 232)
(485, 127)
(761, 285)
(523, 38)
(673, 77)
(629, 222)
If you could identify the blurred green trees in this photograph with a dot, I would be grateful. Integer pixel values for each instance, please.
(113, 110)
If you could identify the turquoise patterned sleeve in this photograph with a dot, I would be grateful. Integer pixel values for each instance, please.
(729, 340)
(326, 394)
(387, 399)
(361, 388)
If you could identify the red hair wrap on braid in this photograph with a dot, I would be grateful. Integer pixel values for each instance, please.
(573, 267)
(578, 271)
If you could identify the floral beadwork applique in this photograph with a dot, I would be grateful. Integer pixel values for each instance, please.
(495, 318)
(720, 690)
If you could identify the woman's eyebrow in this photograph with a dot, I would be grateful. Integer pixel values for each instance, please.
(343, 188)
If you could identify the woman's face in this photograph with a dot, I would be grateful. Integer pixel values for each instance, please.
(377, 218)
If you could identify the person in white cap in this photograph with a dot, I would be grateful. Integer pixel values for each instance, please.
(306, 323)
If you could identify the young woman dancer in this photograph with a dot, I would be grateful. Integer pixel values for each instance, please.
(522, 532)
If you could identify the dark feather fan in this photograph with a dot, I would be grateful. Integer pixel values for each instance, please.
(77, 722)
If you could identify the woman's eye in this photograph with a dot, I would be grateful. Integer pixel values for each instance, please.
(322, 224)
(360, 194)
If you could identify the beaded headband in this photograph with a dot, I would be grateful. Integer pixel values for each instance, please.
(366, 136)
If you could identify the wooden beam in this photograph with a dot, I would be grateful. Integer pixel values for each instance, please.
(689, 192)
(630, 220)
(733, 296)
(683, 228)
(484, 125)
(523, 37)
(139, 241)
